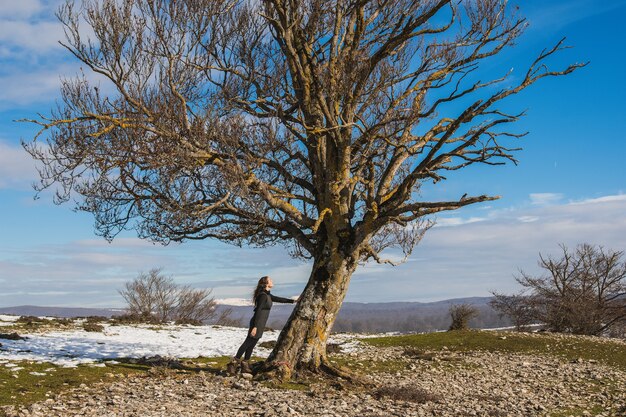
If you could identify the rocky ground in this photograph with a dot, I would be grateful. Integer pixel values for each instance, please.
(401, 383)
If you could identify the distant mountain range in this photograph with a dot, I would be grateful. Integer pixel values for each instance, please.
(353, 317)
(40, 311)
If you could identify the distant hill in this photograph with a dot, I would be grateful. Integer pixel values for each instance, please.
(388, 317)
(353, 317)
(60, 311)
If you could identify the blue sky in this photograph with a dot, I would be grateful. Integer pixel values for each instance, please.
(570, 185)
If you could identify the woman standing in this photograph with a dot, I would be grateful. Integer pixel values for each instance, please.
(263, 301)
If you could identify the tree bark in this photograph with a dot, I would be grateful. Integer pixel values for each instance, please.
(302, 342)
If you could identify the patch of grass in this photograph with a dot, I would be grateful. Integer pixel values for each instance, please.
(39, 381)
(22, 388)
(567, 348)
(368, 365)
(578, 411)
(29, 324)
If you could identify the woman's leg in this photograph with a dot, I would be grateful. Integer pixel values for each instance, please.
(246, 347)
(250, 347)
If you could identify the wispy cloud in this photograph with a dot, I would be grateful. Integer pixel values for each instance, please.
(544, 199)
(457, 221)
(552, 16)
(21, 88)
(467, 259)
(31, 59)
(23, 9)
(35, 37)
(606, 199)
(17, 168)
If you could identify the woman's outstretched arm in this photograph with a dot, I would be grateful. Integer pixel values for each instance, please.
(278, 299)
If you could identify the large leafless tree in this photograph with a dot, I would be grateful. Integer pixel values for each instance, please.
(310, 123)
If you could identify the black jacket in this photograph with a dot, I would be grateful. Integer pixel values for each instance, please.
(262, 306)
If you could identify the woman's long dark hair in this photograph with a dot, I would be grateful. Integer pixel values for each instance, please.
(260, 287)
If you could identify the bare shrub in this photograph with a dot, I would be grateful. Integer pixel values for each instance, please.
(406, 393)
(129, 318)
(225, 319)
(92, 327)
(516, 308)
(461, 314)
(193, 306)
(618, 330)
(583, 292)
(150, 295)
(31, 320)
(155, 298)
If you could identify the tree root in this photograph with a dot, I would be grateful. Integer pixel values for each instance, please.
(342, 372)
(282, 372)
(272, 371)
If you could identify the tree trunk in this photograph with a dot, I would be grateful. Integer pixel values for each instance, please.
(302, 342)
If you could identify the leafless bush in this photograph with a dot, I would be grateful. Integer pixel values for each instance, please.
(516, 307)
(150, 295)
(225, 319)
(129, 318)
(155, 298)
(461, 314)
(31, 320)
(96, 319)
(583, 292)
(92, 327)
(618, 330)
(406, 393)
(193, 306)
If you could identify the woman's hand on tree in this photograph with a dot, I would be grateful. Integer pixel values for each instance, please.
(253, 332)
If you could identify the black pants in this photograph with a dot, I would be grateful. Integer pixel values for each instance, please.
(247, 347)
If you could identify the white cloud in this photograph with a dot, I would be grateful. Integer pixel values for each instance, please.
(26, 87)
(467, 259)
(457, 221)
(12, 9)
(36, 37)
(544, 199)
(553, 16)
(528, 219)
(471, 259)
(605, 199)
(17, 168)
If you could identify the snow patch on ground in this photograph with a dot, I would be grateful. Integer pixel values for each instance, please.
(6, 320)
(71, 348)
